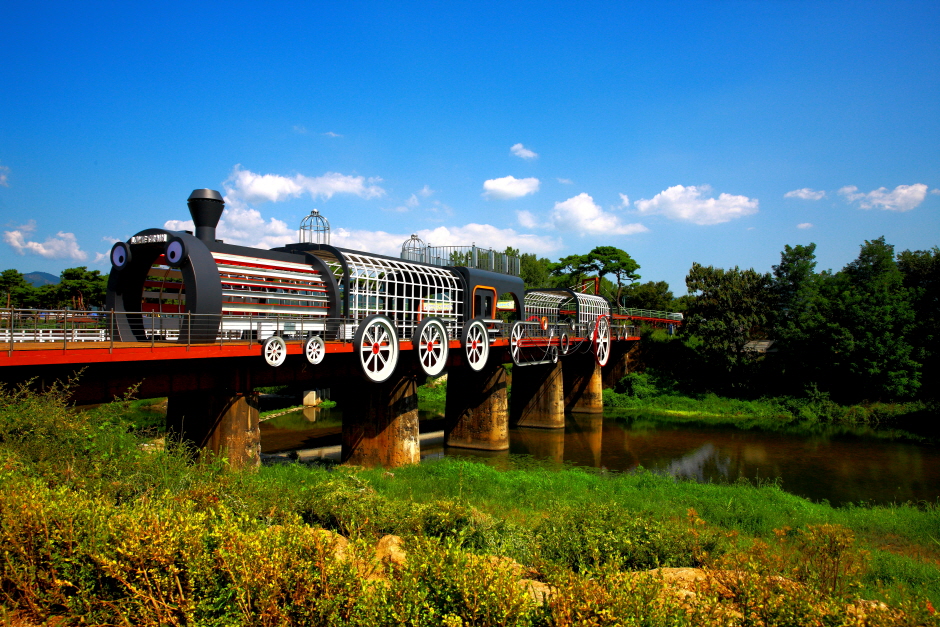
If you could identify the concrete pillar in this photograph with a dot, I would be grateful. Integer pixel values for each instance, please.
(537, 398)
(380, 423)
(622, 361)
(219, 422)
(477, 408)
(582, 384)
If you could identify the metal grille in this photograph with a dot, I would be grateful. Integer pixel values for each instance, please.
(565, 306)
(405, 292)
(164, 291)
(546, 304)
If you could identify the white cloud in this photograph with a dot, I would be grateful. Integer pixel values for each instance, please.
(806, 194)
(413, 201)
(689, 204)
(804, 225)
(566, 181)
(510, 187)
(521, 151)
(902, 198)
(244, 186)
(245, 227)
(527, 220)
(484, 235)
(580, 214)
(300, 129)
(4, 175)
(935, 192)
(425, 191)
(62, 246)
(332, 134)
(624, 200)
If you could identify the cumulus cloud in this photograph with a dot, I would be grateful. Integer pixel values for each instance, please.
(527, 220)
(580, 214)
(413, 201)
(245, 227)
(62, 246)
(484, 235)
(509, 187)
(566, 181)
(244, 186)
(691, 204)
(425, 191)
(624, 200)
(804, 225)
(902, 198)
(521, 151)
(935, 192)
(4, 176)
(806, 194)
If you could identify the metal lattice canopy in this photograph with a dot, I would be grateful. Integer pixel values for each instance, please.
(405, 292)
(555, 304)
(314, 229)
(414, 249)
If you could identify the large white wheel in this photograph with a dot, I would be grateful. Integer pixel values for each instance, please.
(314, 349)
(376, 343)
(564, 343)
(274, 350)
(431, 342)
(476, 344)
(516, 337)
(602, 340)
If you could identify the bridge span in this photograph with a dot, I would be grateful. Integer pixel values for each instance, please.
(204, 323)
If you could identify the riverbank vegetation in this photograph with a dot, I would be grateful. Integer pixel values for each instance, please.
(98, 527)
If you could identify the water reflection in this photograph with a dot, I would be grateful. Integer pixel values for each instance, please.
(833, 465)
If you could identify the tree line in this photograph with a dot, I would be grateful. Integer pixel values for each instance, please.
(870, 331)
(78, 288)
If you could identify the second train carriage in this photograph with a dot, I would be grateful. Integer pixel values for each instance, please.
(182, 286)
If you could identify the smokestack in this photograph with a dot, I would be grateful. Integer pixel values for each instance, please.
(205, 206)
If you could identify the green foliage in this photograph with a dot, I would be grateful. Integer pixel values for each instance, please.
(921, 270)
(654, 295)
(731, 308)
(97, 528)
(79, 288)
(534, 271)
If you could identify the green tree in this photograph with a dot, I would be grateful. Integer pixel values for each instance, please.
(572, 269)
(799, 318)
(730, 308)
(606, 260)
(15, 290)
(869, 319)
(654, 295)
(534, 271)
(80, 288)
(921, 270)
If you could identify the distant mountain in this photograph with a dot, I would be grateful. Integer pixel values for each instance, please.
(38, 279)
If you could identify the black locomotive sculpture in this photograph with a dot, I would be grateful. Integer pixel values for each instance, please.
(182, 286)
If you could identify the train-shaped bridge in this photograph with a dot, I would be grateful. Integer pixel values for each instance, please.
(204, 322)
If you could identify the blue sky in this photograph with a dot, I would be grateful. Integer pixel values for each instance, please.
(679, 132)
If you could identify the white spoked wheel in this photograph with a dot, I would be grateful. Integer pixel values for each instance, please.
(274, 350)
(376, 343)
(602, 340)
(564, 343)
(476, 344)
(553, 355)
(516, 337)
(314, 349)
(432, 345)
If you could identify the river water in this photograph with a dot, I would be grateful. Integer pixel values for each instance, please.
(831, 464)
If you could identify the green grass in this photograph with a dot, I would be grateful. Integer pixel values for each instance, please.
(99, 529)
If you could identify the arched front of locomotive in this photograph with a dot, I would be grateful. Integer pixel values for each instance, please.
(160, 273)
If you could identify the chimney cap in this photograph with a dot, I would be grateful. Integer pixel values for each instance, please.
(206, 194)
